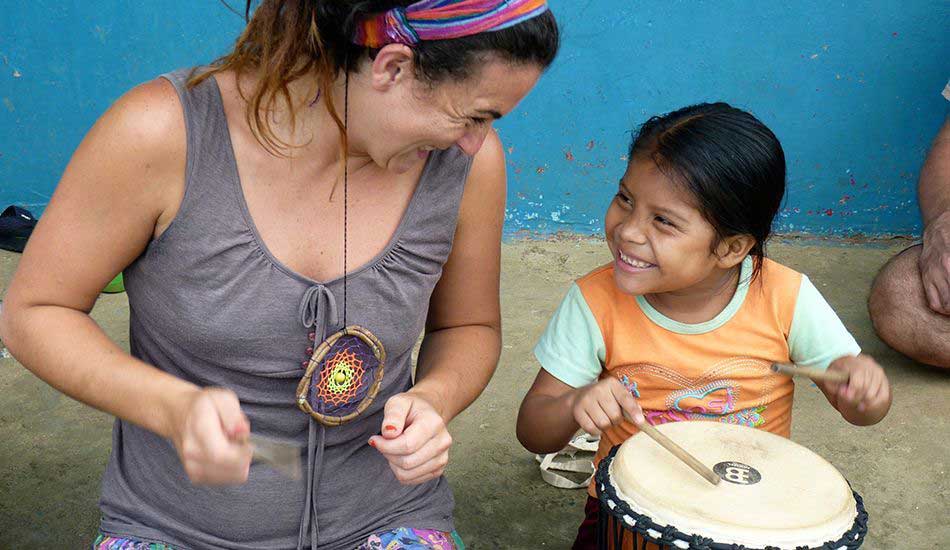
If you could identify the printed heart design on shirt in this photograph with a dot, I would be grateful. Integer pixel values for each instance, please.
(714, 395)
(718, 397)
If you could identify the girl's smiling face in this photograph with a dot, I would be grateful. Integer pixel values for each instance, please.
(659, 239)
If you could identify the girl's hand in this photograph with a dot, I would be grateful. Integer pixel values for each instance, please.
(866, 397)
(601, 405)
(415, 439)
(212, 438)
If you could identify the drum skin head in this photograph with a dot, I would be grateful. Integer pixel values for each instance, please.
(773, 491)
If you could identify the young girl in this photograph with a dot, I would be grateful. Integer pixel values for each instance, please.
(687, 320)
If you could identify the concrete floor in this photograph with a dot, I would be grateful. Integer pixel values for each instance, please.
(54, 449)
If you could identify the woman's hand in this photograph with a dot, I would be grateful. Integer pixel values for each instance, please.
(414, 438)
(603, 404)
(211, 437)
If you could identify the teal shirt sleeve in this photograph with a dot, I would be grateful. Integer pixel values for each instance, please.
(817, 336)
(572, 346)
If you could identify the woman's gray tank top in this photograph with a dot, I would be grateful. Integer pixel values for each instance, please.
(210, 304)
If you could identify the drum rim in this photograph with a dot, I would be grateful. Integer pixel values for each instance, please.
(851, 539)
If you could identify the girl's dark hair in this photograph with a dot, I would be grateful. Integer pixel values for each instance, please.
(289, 39)
(727, 159)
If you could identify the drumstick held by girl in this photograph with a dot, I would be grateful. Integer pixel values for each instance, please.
(687, 320)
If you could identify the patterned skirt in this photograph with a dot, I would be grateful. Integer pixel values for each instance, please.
(403, 538)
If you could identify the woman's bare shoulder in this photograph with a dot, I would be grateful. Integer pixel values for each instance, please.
(133, 158)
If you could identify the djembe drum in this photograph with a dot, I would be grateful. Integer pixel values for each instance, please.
(774, 494)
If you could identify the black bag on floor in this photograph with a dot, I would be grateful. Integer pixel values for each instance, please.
(16, 224)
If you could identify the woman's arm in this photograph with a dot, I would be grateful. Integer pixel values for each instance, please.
(462, 343)
(463, 329)
(121, 189)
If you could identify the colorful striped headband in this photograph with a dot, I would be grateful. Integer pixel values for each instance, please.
(443, 19)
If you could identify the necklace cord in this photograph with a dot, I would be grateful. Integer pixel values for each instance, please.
(346, 108)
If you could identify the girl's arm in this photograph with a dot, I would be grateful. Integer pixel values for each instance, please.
(552, 411)
(546, 417)
(818, 338)
(121, 188)
(866, 398)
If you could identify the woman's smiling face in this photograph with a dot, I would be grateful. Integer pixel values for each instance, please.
(415, 118)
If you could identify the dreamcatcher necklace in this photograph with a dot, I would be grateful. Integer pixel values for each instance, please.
(344, 372)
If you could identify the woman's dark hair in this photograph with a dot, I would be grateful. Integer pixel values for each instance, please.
(727, 159)
(290, 39)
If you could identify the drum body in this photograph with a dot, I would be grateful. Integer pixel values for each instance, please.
(774, 494)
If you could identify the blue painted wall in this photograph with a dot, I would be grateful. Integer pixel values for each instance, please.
(852, 89)
(62, 63)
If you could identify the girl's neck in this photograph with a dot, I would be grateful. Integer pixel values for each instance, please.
(701, 302)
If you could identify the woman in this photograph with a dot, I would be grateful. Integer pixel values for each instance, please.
(224, 199)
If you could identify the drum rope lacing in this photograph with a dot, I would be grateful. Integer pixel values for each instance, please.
(624, 519)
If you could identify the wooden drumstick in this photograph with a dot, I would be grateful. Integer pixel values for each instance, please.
(283, 457)
(836, 376)
(678, 452)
